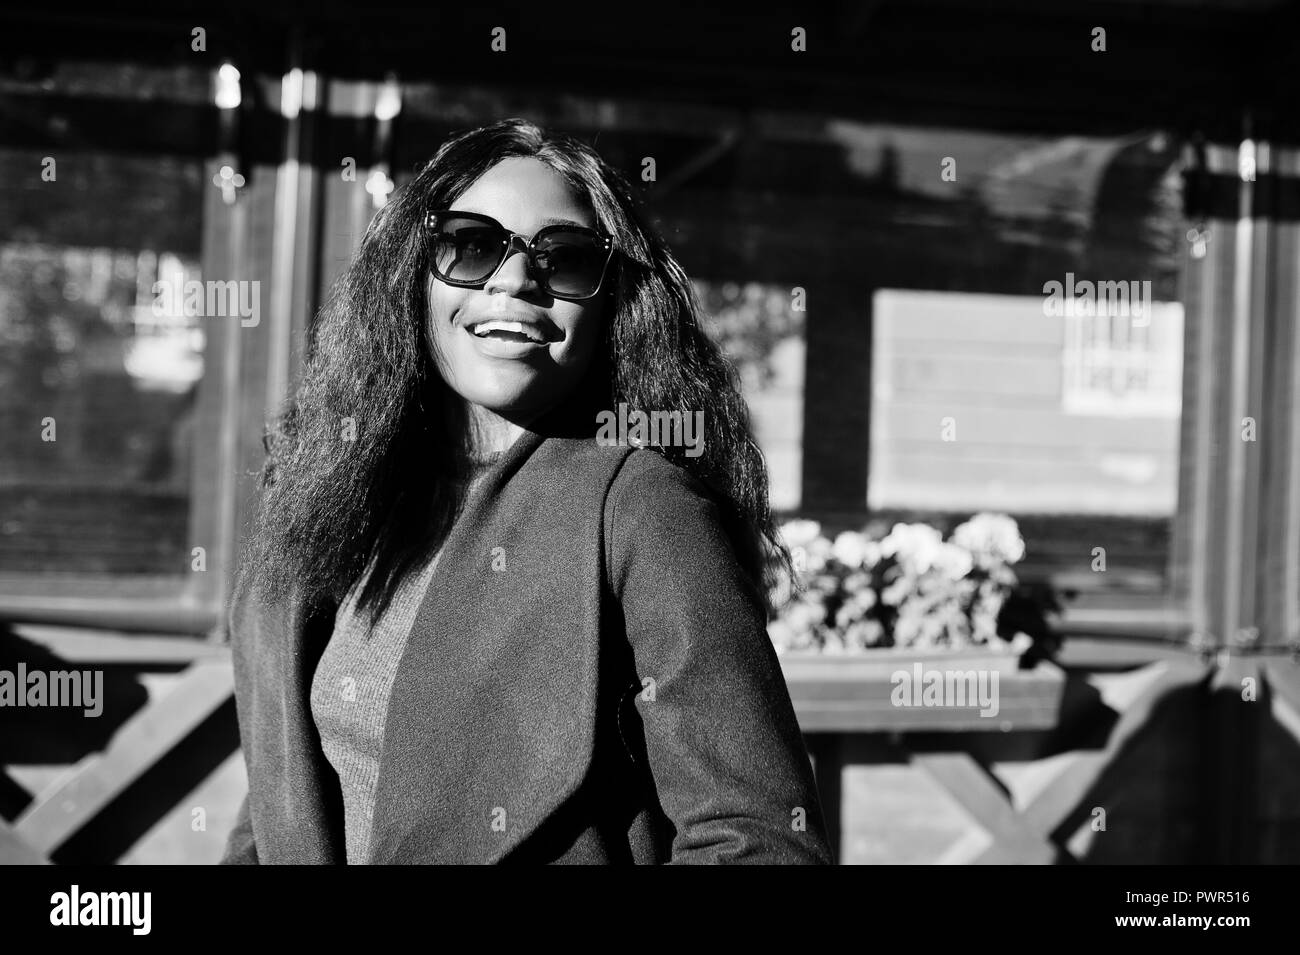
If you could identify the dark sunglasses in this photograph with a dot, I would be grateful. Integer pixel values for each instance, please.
(466, 249)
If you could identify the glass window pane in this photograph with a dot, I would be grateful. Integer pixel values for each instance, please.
(99, 376)
(760, 331)
(985, 402)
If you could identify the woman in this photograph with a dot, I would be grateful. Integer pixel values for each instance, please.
(467, 630)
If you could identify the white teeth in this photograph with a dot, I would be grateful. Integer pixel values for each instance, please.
(497, 325)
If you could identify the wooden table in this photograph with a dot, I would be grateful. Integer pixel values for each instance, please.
(852, 708)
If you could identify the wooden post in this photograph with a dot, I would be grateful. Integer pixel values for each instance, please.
(837, 399)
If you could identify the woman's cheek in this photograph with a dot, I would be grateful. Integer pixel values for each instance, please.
(580, 342)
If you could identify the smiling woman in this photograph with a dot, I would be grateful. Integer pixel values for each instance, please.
(465, 629)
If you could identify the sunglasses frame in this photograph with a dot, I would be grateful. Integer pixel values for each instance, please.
(516, 243)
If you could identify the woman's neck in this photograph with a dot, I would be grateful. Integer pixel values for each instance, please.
(488, 434)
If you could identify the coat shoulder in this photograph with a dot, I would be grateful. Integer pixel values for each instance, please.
(637, 477)
(650, 478)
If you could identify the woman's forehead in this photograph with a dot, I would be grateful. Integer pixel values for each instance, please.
(524, 195)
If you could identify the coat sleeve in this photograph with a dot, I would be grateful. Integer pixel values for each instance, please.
(723, 746)
(240, 847)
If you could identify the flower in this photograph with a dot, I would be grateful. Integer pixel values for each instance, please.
(951, 561)
(809, 550)
(854, 550)
(990, 539)
(864, 634)
(800, 533)
(906, 588)
(913, 545)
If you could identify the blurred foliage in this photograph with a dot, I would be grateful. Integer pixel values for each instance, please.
(748, 321)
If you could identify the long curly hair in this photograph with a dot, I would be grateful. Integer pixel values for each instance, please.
(332, 509)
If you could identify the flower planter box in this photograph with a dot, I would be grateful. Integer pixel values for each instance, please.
(892, 690)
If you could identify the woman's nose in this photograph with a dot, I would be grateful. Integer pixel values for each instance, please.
(512, 276)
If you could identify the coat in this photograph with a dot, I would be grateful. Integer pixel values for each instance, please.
(610, 696)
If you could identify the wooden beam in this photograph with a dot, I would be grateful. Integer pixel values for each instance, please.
(974, 789)
(853, 694)
(14, 850)
(86, 646)
(59, 812)
(1116, 653)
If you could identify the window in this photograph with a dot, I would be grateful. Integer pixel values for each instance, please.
(1032, 360)
(760, 331)
(111, 393)
(983, 402)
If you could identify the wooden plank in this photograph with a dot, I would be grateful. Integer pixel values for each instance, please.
(1083, 653)
(853, 694)
(87, 602)
(1160, 623)
(967, 849)
(61, 811)
(859, 717)
(14, 850)
(1062, 795)
(973, 788)
(84, 646)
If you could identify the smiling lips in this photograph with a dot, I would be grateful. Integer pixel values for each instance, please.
(508, 330)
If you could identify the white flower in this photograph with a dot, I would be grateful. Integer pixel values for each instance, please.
(864, 634)
(800, 533)
(805, 615)
(904, 537)
(858, 586)
(991, 538)
(853, 549)
(952, 561)
(809, 550)
(914, 545)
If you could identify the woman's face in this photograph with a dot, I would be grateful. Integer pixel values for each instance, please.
(502, 372)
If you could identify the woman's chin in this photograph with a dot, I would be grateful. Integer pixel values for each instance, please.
(514, 405)
(518, 396)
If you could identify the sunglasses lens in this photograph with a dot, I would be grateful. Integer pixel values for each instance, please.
(570, 264)
(466, 250)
